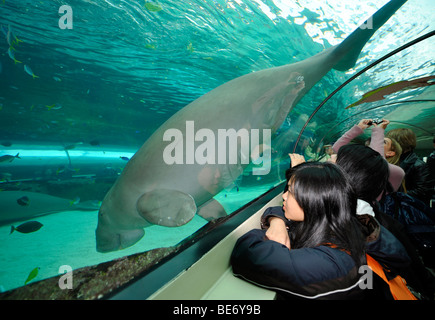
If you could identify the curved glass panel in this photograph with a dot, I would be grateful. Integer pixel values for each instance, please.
(114, 141)
(407, 99)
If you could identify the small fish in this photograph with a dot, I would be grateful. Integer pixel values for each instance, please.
(29, 71)
(152, 7)
(125, 158)
(11, 39)
(190, 47)
(27, 227)
(32, 275)
(16, 40)
(150, 46)
(55, 106)
(75, 201)
(57, 79)
(9, 158)
(6, 144)
(8, 37)
(23, 201)
(12, 55)
(72, 146)
(95, 143)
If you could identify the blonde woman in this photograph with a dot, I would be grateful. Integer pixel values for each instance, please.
(418, 181)
(393, 151)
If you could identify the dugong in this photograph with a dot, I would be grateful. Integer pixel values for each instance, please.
(180, 167)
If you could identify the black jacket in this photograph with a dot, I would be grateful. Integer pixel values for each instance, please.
(418, 181)
(322, 272)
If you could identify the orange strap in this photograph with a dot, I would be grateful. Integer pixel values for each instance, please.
(398, 287)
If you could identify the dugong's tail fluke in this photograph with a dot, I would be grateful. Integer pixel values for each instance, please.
(351, 47)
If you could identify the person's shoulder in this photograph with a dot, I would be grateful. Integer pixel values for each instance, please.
(420, 163)
(322, 262)
(396, 169)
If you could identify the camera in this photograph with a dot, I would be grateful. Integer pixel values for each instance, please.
(376, 121)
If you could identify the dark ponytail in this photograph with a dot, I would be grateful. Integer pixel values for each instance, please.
(367, 169)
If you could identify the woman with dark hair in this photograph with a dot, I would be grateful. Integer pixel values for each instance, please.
(368, 172)
(330, 206)
(312, 247)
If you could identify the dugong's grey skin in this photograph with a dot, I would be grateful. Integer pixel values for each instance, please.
(149, 191)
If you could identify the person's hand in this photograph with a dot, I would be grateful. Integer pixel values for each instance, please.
(277, 231)
(296, 159)
(333, 158)
(384, 123)
(365, 123)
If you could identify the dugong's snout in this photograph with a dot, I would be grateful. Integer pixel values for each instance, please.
(111, 240)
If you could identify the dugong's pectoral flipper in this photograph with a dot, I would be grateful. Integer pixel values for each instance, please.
(169, 208)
